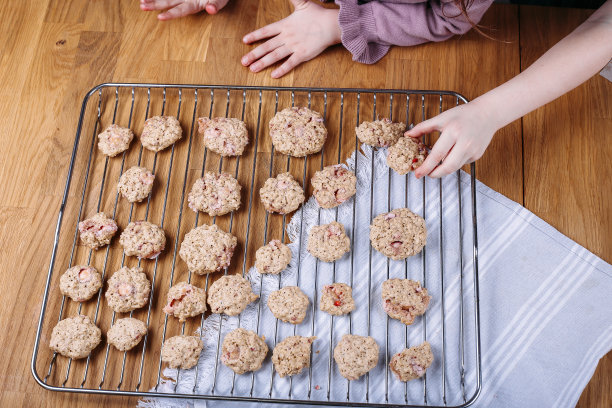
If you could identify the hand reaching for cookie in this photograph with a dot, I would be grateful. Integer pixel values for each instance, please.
(303, 35)
(466, 131)
(181, 8)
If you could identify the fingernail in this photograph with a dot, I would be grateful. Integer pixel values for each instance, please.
(274, 74)
(255, 67)
(245, 39)
(244, 61)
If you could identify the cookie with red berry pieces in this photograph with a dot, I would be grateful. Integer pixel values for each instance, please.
(243, 350)
(398, 234)
(215, 194)
(97, 231)
(114, 140)
(380, 133)
(281, 194)
(411, 363)
(185, 300)
(333, 185)
(337, 299)
(224, 136)
(80, 282)
(128, 289)
(298, 131)
(143, 240)
(404, 299)
(406, 155)
(136, 184)
(328, 242)
(160, 132)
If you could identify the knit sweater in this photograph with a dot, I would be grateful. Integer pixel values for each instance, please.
(369, 28)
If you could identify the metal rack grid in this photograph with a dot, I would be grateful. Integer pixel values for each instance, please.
(93, 175)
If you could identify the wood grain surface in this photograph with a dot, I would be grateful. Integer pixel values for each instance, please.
(555, 161)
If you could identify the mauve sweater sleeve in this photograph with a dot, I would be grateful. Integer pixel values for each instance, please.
(369, 29)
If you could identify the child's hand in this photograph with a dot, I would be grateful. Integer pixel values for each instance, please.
(466, 131)
(303, 35)
(181, 8)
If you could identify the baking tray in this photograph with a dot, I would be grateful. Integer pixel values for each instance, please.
(90, 187)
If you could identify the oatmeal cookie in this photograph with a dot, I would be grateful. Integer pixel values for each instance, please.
(337, 299)
(411, 363)
(207, 249)
(333, 185)
(126, 333)
(181, 351)
(355, 355)
(281, 194)
(230, 294)
(114, 140)
(215, 194)
(243, 350)
(380, 133)
(160, 132)
(128, 289)
(406, 155)
(398, 234)
(298, 131)
(272, 258)
(289, 304)
(80, 282)
(185, 300)
(75, 337)
(97, 231)
(328, 242)
(143, 240)
(136, 184)
(292, 355)
(225, 136)
(404, 299)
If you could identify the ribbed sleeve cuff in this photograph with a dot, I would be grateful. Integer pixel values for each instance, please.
(358, 32)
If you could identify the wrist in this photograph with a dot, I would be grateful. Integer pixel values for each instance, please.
(336, 34)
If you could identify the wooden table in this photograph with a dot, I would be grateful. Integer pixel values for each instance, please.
(554, 161)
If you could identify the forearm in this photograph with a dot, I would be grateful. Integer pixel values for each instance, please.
(568, 64)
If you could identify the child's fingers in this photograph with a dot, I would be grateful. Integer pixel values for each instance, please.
(148, 5)
(428, 126)
(181, 10)
(261, 33)
(451, 163)
(439, 150)
(287, 66)
(261, 50)
(214, 6)
(269, 59)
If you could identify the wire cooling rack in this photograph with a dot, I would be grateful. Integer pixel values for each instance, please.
(91, 187)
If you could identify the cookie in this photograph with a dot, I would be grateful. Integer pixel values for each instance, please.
(225, 136)
(411, 363)
(181, 351)
(215, 194)
(126, 333)
(75, 337)
(298, 131)
(160, 132)
(97, 231)
(380, 133)
(207, 249)
(114, 140)
(292, 355)
(136, 184)
(128, 289)
(230, 294)
(337, 299)
(404, 299)
(406, 155)
(328, 242)
(80, 282)
(289, 304)
(398, 234)
(272, 258)
(355, 355)
(333, 185)
(243, 350)
(143, 240)
(185, 300)
(281, 194)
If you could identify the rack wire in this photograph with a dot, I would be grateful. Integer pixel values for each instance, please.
(89, 188)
